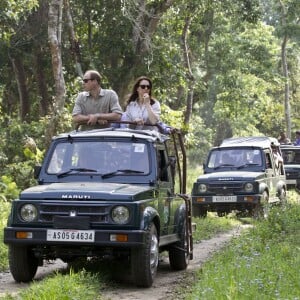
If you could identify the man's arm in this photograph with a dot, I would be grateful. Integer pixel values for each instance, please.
(93, 119)
(113, 116)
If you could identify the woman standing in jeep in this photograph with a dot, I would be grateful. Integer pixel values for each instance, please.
(141, 107)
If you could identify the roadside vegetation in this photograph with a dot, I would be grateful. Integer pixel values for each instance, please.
(261, 264)
(4, 210)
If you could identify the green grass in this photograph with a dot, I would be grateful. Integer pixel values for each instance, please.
(73, 286)
(212, 225)
(261, 264)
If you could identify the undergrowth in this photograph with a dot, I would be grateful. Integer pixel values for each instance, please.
(261, 264)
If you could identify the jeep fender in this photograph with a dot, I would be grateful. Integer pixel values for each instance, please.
(179, 219)
(150, 215)
(263, 187)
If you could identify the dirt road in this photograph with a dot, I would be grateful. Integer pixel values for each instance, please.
(165, 281)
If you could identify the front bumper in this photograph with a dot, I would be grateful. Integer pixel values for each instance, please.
(234, 202)
(293, 183)
(103, 238)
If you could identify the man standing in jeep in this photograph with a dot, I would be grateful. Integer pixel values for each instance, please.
(95, 106)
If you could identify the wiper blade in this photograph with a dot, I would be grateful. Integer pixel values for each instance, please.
(223, 165)
(247, 165)
(75, 170)
(122, 171)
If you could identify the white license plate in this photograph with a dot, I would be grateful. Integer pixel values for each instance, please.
(67, 235)
(224, 199)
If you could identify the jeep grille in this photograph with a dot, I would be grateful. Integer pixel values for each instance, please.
(292, 174)
(96, 213)
(225, 188)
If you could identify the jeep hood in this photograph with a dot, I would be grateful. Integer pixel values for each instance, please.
(88, 191)
(231, 176)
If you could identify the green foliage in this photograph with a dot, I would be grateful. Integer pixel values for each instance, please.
(11, 13)
(8, 189)
(171, 117)
(4, 211)
(198, 141)
(262, 264)
(233, 49)
(23, 146)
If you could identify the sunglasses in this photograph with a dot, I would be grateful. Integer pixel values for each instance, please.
(144, 86)
(87, 80)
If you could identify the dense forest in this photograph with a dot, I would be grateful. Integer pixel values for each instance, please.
(220, 68)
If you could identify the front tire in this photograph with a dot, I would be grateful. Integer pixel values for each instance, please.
(22, 263)
(199, 212)
(144, 260)
(283, 197)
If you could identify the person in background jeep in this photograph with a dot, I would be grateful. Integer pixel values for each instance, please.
(283, 139)
(297, 141)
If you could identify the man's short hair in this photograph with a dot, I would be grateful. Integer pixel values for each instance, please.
(94, 75)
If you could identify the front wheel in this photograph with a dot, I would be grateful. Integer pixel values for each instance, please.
(282, 196)
(199, 212)
(144, 260)
(22, 263)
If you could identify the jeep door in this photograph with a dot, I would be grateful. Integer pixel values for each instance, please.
(166, 191)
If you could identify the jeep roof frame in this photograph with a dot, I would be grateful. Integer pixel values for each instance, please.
(257, 141)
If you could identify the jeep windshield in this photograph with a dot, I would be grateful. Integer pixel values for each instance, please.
(234, 158)
(106, 158)
(291, 156)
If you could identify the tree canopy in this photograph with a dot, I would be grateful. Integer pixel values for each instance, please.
(220, 68)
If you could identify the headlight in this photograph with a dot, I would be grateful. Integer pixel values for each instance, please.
(202, 188)
(120, 214)
(28, 213)
(248, 187)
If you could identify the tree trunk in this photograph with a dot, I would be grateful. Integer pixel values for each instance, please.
(287, 107)
(41, 83)
(189, 74)
(22, 88)
(54, 35)
(73, 40)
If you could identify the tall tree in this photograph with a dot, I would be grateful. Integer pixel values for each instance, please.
(54, 33)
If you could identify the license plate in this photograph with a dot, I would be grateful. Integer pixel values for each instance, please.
(66, 235)
(224, 199)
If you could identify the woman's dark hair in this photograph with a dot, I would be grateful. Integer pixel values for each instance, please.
(134, 94)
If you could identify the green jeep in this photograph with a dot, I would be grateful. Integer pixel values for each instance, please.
(107, 192)
(244, 174)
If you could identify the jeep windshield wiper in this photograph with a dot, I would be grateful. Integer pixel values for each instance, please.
(123, 171)
(75, 170)
(247, 165)
(224, 165)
